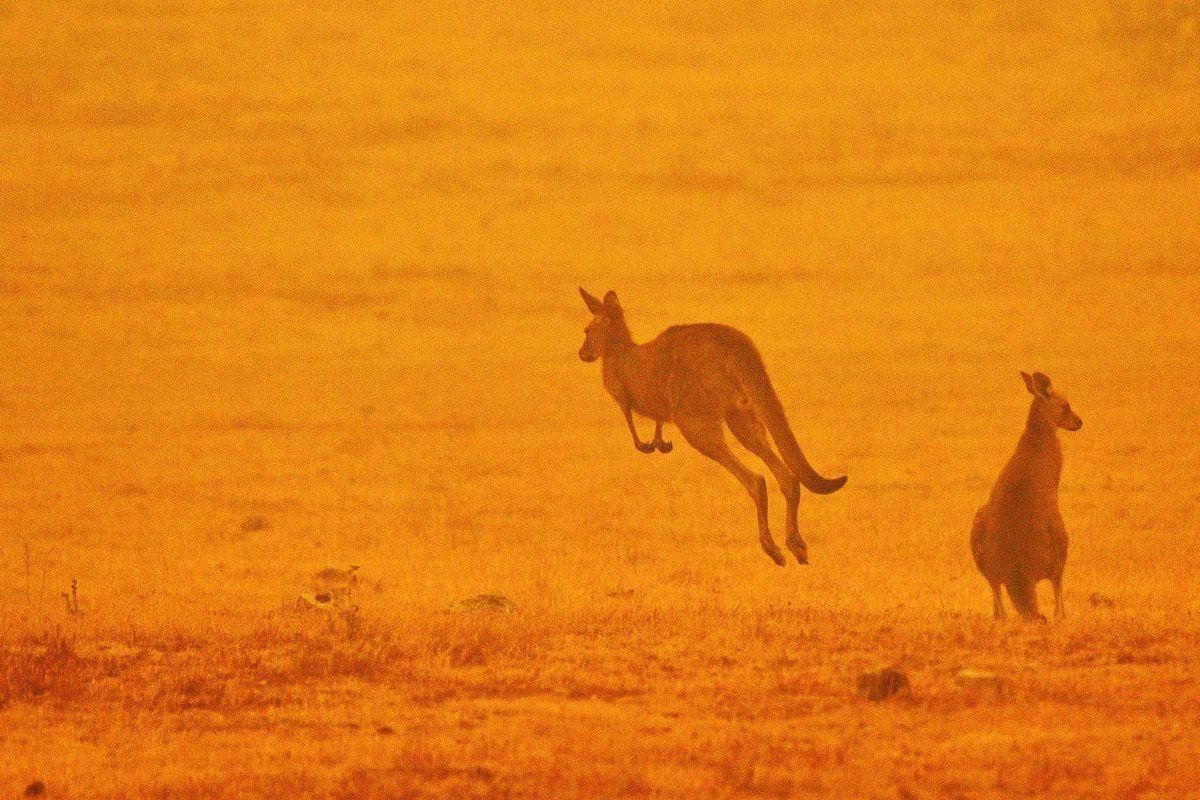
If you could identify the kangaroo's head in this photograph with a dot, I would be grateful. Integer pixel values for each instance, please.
(1049, 405)
(607, 330)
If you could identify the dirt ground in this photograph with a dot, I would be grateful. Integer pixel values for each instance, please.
(287, 288)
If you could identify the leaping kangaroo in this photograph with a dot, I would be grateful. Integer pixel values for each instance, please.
(701, 378)
(1019, 538)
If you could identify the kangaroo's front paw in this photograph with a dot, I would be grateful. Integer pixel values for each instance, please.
(645, 447)
(665, 447)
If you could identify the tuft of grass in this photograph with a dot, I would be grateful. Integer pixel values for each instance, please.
(42, 669)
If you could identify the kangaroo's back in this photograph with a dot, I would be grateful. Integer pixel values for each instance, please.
(715, 368)
(696, 344)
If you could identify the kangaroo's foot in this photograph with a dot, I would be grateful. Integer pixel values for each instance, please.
(645, 447)
(770, 548)
(799, 548)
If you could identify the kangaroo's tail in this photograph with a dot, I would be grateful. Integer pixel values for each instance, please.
(1023, 594)
(752, 375)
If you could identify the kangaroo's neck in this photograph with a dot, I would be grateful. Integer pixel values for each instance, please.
(616, 352)
(619, 341)
(618, 359)
(630, 377)
(1038, 451)
(1039, 434)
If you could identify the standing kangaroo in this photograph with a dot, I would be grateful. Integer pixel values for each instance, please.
(702, 377)
(1019, 537)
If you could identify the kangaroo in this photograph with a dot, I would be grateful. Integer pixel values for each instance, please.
(1018, 537)
(701, 378)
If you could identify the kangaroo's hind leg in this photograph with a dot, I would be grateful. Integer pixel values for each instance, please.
(749, 430)
(998, 612)
(707, 434)
(1058, 540)
(987, 559)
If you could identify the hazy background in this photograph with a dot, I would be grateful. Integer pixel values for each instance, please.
(320, 266)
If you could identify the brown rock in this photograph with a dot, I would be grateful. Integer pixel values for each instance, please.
(485, 603)
(882, 684)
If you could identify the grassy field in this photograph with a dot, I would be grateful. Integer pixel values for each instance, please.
(286, 288)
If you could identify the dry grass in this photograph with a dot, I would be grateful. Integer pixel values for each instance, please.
(616, 700)
(287, 288)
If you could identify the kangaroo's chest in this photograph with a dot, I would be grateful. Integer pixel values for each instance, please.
(1025, 514)
(635, 383)
(1040, 552)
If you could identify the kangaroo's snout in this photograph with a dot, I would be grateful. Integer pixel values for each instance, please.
(585, 356)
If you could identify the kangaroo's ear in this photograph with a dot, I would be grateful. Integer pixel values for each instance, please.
(610, 301)
(1037, 383)
(594, 305)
